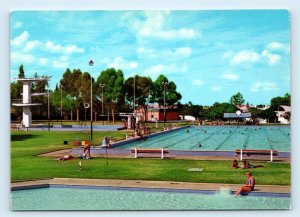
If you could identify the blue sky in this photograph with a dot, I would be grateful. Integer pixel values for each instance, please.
(210, 55)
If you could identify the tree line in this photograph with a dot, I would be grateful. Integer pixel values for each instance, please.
(110, 89)
(118, 94)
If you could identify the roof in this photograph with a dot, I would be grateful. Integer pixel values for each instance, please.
(234, 115)
(286, 108)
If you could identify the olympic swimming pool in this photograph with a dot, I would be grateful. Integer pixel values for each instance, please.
(219, 138)
(112, 198)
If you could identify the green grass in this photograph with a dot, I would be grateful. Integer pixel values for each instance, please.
(26, 165)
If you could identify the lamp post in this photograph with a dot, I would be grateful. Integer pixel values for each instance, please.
(134, 103)
(164, 83)
(102, 99)
(61, 107)
(91, 63)
(48, 110)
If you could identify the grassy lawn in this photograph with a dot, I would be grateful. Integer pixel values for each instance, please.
(26, 165)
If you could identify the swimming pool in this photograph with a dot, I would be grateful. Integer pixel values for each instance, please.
(220, 138)
(111, 198)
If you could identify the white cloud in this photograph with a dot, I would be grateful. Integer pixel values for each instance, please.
(153, 25)
(17, 25)
(120, 63)
(183, 51)
(68, 49)
(30, 45)
(277, 46)
(230, 76)
(53, 47)
(178, 53)
(271, 58)
(157, 69)
(43, 61)
(216, 88)
(147, 52)
(73, 49)
(60, 64)
(165, 69)
(21, 39)
(197, 82)
(17, 57)
(245, 56)
(264, 86)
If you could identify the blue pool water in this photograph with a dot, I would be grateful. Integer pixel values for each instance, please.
(220, 138)
(105, 198)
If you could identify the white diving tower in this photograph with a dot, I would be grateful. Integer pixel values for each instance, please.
(26, 101)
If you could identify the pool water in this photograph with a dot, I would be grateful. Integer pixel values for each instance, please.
(220, 138)
(105, 198)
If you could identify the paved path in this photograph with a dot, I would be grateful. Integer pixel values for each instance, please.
(148, 184)
(121, 153)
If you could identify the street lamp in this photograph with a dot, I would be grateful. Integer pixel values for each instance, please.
(164, 83)
(91, 63)
(102, 99)
(61, 107)
(48, 110)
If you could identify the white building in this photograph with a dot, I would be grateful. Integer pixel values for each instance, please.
(281, 114)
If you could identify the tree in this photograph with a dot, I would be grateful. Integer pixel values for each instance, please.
(237, 99)
(190, 109)
(21, 72)
(71, 86)
(141, 86)
(113, 80)
(216, 112)
(278, 101)
(171, 95)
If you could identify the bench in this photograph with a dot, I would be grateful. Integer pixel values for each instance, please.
(160, 151)
(81, 143)
(249, 152)
(15, 126)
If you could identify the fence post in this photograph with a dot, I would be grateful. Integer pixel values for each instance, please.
(271, 157)
(162, 153)
(135, 152)
(241, 152)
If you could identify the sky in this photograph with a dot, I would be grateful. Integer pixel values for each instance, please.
(209, 54)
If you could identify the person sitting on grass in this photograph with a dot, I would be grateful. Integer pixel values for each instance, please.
(66, 157)
(235, 164)
(247, 165)
(250, 183)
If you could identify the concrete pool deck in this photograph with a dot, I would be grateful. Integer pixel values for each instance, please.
(190, 155)
(278, 189)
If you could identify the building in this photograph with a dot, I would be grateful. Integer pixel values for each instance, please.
(155, 112)
(283, 114)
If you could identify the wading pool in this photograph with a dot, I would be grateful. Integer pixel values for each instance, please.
(112, 198)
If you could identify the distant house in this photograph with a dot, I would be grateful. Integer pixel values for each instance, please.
(243, 108)
(283, 113)
(187, 117)
(156, 112)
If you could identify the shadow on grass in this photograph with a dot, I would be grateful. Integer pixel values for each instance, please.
(22, 137)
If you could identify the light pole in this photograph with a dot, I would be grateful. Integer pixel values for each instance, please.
(102, 99)
(164, 83)
(48, 110)
(134, 102)
(91, 63)
(61, 108)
